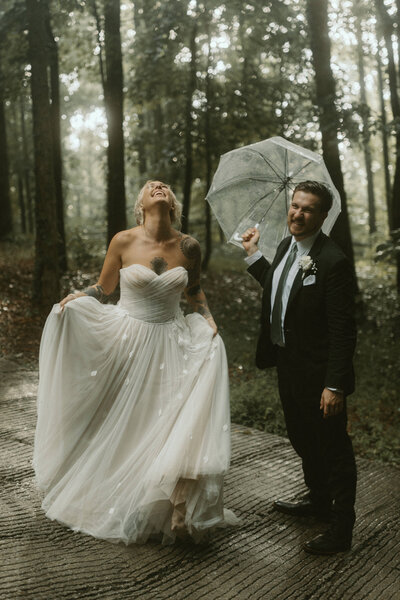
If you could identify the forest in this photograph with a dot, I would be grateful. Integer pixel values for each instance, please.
(98, 96)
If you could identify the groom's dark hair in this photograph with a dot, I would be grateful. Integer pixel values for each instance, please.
(318, 189)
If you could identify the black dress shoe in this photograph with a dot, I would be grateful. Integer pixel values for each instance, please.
(303, 508)
(330, 542)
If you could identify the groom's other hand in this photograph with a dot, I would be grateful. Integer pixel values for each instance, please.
(250, 240)
(331, 403)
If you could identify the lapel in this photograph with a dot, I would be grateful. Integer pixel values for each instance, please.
(298, 281)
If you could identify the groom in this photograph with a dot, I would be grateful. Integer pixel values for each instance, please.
(308, 333)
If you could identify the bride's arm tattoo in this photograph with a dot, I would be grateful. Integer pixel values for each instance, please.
(96, 291)
(190, 249)
(202, 308)
(195, 296)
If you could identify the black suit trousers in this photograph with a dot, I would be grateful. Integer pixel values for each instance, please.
(323, 444)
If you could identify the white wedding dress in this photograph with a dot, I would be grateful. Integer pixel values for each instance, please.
(132, 399)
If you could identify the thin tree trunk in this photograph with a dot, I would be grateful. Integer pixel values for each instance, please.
(387, 28)
(46, 279)
(187, 187)
(139, 18)
(317, 12)
(56, 131)
(21, 201)
(385, 145)
(26, 166)
(19, 174)
(365, 131)
(116, 203)
(208, 146)
(158, 119)
(95, 12)
(141, 145)
(6, 224)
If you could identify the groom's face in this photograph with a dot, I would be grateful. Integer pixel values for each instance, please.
(305, 216)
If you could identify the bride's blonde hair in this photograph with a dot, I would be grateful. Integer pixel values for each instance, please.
(176, 209)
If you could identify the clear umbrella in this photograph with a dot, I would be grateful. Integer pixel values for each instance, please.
(253, 187)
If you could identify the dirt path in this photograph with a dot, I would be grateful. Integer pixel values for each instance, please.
(262, 559)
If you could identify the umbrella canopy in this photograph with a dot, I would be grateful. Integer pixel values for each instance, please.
(253, 187)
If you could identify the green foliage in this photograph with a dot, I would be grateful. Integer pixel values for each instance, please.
(85, 251)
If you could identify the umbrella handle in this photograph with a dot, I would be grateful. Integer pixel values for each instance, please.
(238, 238)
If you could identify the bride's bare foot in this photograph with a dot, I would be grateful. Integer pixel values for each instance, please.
(178, 500)
(178, 525)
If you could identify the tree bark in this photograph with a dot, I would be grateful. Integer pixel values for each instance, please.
(95, 12)
(6, 224)
(56, 131)
(26, 166)
(19, 174)
(387, 28)
(317, 13)
(365, 131)
(113, 96)
(46, 279)
(208, 146)
(187, 186)
(21, 201)
(385, 145)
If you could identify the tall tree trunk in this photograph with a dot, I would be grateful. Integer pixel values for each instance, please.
(95, 12)
(139, 17)
(187, 186)
(46, 280)
(56, 131)
(365, 131)
(387, 28)
(19, 174)
(113, 96)
(6, 224)
(141, 145)
(317, 13)
(385, 145)
(21, 200)
(208, 146)
(158, 120)
(26, 166)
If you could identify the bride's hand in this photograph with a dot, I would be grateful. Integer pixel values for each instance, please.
(70, 297)
(213, 326)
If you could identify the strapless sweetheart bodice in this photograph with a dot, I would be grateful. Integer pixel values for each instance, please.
(150, 297)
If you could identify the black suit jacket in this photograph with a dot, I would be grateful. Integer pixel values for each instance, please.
(320, 332)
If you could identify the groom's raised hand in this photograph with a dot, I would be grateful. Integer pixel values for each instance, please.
(250, 240)
(331, 403)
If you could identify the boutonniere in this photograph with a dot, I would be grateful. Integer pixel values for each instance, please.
(307, 265)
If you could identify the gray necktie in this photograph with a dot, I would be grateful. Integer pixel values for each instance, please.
(276, 320)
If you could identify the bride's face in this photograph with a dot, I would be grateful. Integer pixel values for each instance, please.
(154, 193)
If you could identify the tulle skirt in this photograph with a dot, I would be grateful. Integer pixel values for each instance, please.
(133, 420)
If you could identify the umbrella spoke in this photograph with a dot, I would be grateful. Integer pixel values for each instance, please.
(271, 205)
(302, 168)
(269, 162)
(251, 210)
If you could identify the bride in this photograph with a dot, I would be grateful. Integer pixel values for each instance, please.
(133, 432)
